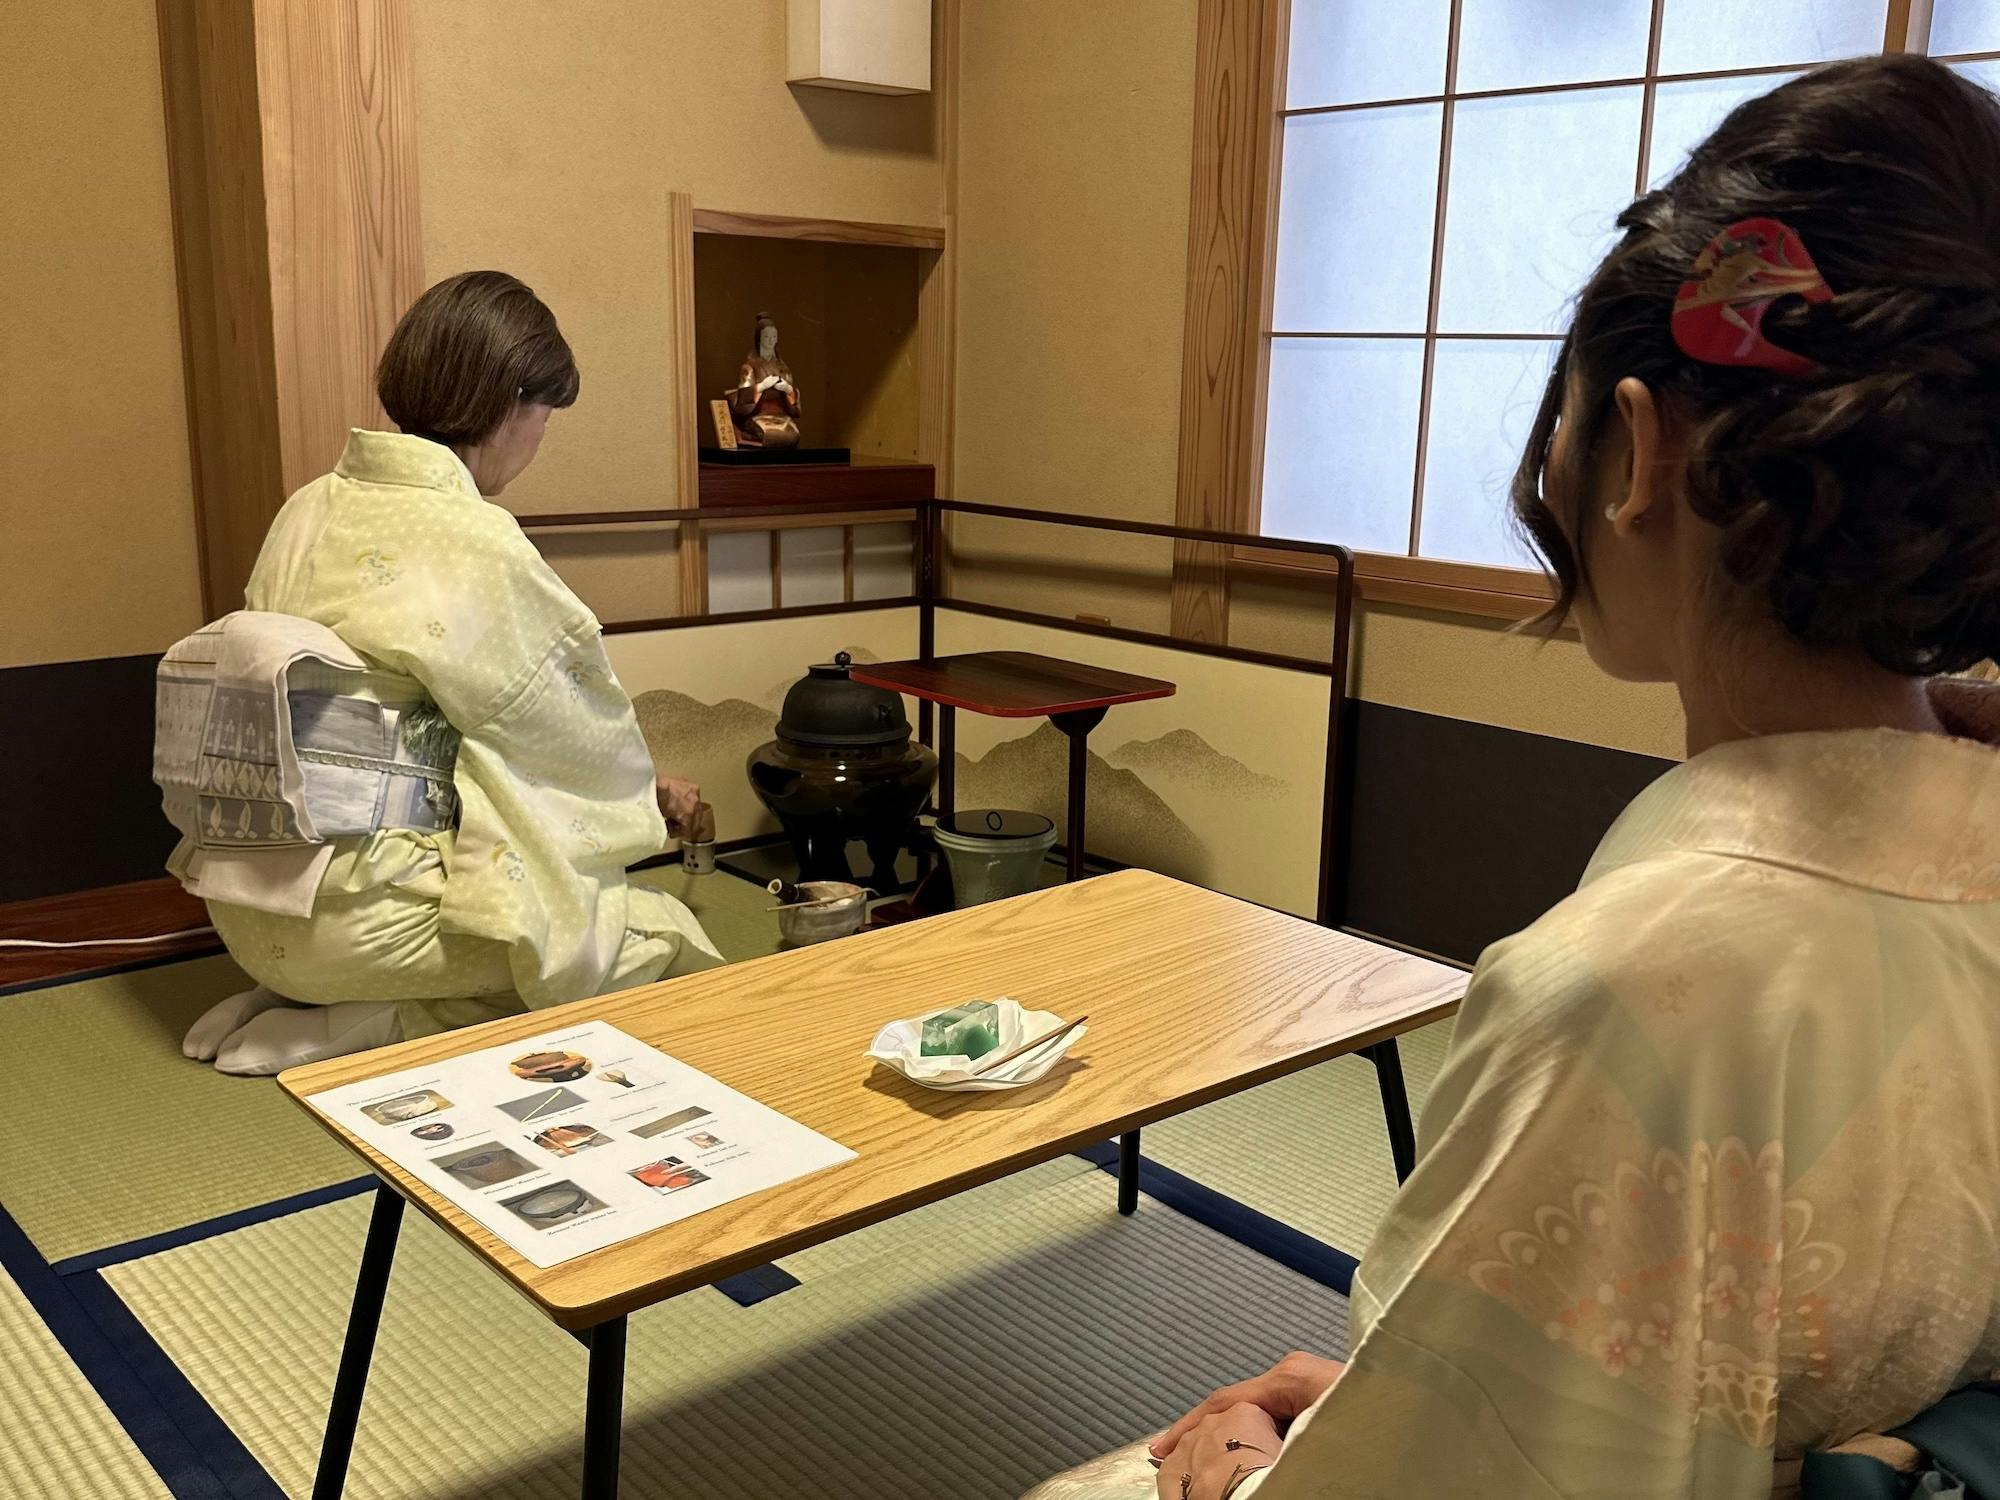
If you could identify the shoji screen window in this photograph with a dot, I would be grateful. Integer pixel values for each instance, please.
(1449, 173)
(1967, 34)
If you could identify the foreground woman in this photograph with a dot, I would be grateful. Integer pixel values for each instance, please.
(489, 872)
(1710, 1176)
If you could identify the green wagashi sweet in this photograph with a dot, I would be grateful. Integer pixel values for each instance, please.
(970, 1030)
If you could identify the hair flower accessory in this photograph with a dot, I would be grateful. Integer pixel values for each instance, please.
(1718, 315)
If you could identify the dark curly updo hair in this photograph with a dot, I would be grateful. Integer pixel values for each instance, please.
(1862, 500)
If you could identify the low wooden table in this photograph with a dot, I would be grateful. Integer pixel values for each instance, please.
(1017, 685)
(1191, 995)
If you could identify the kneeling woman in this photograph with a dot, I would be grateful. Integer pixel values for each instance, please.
(489, 884)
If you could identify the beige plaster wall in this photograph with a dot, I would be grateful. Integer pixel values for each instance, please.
(550, 139)
(97, 529)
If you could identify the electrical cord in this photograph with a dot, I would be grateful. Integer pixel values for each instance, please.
(131, 942)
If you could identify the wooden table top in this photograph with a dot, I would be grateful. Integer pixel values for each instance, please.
(1011, 684)
(1191, 995)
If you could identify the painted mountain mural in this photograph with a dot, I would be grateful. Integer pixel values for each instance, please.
(1184, 757)
(1147, 797)
(679, 728)
(709, 743)
(1126, 819)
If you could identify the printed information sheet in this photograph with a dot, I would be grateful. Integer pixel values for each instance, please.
(565, 1143)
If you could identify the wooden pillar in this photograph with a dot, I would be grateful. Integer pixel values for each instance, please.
(683, 406)
(937, 290)
(1239, 62)
(291, 140)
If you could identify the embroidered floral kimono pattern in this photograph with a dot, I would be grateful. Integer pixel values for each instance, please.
(527, 902)
(1711, 1175)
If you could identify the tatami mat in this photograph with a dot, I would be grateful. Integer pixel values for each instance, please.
(963, 1350)
(57, 1439)
(1310, 1150)
(110, 1135)
(735, 914)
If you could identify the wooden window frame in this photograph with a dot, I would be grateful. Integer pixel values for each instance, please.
(1242, 49)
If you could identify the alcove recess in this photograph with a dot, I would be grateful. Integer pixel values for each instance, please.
(862, 311)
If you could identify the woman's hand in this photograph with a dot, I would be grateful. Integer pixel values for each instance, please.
(1215, 1454)
(678, 800)
(1281, 1392)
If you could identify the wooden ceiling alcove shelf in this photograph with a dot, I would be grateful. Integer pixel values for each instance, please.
(783, 484)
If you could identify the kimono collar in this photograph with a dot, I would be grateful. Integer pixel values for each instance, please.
(1914, 815)
(398, 458)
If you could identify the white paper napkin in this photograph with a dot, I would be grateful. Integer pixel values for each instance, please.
(899, 1045)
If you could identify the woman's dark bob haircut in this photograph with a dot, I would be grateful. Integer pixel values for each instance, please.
(466, 352)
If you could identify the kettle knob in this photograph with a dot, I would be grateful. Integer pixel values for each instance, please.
(842, 660)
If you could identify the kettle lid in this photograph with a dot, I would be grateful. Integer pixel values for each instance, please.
(827, 707)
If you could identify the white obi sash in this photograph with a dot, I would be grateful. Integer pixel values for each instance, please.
(265, 749)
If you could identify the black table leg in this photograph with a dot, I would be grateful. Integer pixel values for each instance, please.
(947, 760)
(1128, 1172)
(1395, 1106)
(377, 1255)
(604, 1411)
(1077, 726)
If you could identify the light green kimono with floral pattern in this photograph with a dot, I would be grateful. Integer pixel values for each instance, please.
(398, 554)
(1711, 1175)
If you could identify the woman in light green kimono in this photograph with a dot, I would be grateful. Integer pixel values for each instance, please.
(525, 902)
(1711, 1176)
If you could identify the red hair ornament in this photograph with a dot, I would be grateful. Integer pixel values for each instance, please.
(1718, 315)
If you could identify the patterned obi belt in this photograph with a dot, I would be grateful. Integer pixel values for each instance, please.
(371, 765)
(271, 739)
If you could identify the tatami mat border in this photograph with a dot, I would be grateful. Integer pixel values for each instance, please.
(199, 1457)
(132, 966)
(192, 1449)
(1271, 1238)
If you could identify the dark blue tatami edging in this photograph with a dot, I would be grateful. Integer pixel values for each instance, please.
(757, 1284)
(745, 1290)
(175, 1430)
(198, 1457)
(242, 1218)
(1272, 1238)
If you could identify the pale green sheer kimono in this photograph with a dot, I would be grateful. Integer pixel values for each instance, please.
(1711, 1175)
(527, 904)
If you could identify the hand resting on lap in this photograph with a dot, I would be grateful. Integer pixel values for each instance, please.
(1281, 1392)
(1219, 1453)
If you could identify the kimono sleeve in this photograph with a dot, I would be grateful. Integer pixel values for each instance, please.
(1581, 1291)
(554, 779)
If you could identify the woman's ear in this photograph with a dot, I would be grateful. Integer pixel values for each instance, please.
(1638, 486)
